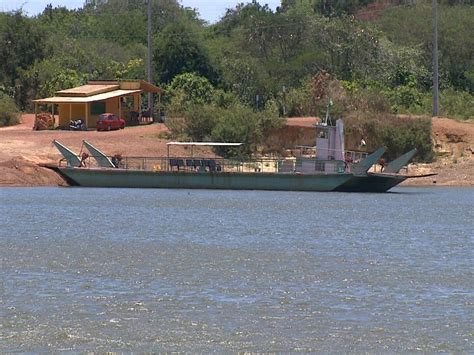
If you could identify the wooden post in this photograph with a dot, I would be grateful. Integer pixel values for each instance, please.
(159, 106)
(87, 114)
(136, 101)
(36, 115)
(139, 106)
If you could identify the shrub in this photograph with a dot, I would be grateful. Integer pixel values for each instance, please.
(404, 98)
(452, 103)
(223, 99)
(200, 120)
(236, 123)
(402, 135)
(9, 114)
(196, 89)
(177, 128)
(398, 134)
(176, 105)
(457, 104)
(299, 102)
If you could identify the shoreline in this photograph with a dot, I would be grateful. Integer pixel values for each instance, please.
(21, 172)
(24, 152)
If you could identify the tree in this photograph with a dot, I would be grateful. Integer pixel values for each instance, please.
(47, 77)
(196, 89)
(22, 46)
(178, 50)
(187, 89)
(456, 41)
(9, 114)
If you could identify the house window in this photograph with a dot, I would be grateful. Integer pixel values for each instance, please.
(97, 108)
(126, 102)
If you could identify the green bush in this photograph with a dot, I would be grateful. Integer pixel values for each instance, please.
(299, 102)
(200, 120)
(403, 135)
(197, 89)
(404, 98)
(223, 99)
(457, 104)
(177, 128)
(355, 97)
(452, 103)
(235, 123)
(9, 114)
(175, 105)
(399, 135)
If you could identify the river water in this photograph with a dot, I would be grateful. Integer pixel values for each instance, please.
(196, 270)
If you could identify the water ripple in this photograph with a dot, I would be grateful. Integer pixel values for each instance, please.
(199, 271)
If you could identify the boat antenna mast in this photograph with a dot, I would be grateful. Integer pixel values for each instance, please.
(327, 119)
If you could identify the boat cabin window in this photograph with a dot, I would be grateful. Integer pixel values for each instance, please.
(323, 134)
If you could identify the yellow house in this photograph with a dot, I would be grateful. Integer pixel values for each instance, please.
(88, 101)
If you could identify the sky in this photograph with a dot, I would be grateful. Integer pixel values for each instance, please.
(209, 10)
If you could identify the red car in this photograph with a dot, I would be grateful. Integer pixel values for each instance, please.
(109, 121)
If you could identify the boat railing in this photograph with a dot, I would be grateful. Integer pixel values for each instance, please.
(217, 165)
(355, 156)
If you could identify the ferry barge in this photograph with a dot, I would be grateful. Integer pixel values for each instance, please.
(329, 170)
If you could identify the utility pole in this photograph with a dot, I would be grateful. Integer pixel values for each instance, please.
(149, 61)
(283, 89)
(435, 60)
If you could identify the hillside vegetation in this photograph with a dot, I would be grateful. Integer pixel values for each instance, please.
(255, 65)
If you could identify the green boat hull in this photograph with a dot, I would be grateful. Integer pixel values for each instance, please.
(372, 182)
(196, 180)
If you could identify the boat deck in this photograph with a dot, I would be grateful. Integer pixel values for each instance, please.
(217, 165)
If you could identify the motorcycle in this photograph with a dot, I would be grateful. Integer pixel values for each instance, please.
(77, 125)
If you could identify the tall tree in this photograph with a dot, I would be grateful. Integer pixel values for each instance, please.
(21, 45)
(179, 50)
